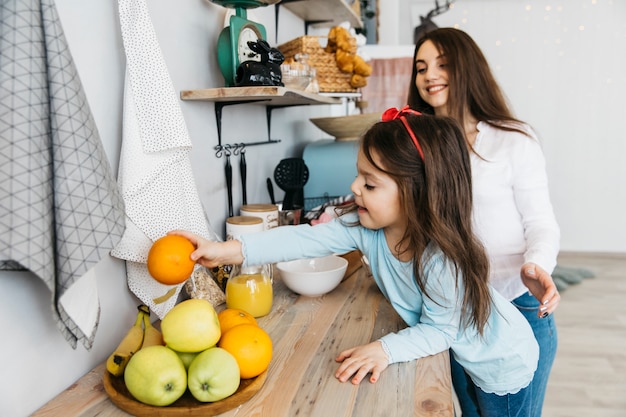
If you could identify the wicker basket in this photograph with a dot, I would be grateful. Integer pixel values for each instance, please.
(329, 77)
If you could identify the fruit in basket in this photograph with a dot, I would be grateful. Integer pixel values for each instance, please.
(251, 346)
(131, 343)
(231, 317)
(213, 375)
(187, 357)
(191, 326)
(156, 376)
(151, 335)
(169, 259)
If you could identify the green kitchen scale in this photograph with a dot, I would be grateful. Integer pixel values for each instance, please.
(232, 44)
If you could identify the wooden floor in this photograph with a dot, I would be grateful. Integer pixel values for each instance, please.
(589, 374)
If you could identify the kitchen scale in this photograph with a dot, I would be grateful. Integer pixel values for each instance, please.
(232, 44)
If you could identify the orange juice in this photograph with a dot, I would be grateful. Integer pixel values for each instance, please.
(250, 292)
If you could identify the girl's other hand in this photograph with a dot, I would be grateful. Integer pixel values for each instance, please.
(541, 285)
(361, 360)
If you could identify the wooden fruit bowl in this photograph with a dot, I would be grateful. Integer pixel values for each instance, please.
(344, 128)
(186, 405)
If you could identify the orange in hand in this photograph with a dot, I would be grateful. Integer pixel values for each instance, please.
(251, 346)
(168, 259)
(232, 317)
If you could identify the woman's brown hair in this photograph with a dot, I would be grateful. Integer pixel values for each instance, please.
(472, 86)
(436, 198)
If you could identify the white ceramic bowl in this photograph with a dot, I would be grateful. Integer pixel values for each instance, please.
(315, 276)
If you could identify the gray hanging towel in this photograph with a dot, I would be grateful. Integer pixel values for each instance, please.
(60, 208)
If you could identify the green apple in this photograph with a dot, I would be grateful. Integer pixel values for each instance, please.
(191, 326)
(213, 375)
(187, 357)
(155, 375)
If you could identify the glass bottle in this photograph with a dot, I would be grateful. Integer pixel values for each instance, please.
(313, 86)
(250, 289)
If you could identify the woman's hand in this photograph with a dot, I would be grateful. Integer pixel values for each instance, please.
(360, 361)
(541, 285)
(212, 254)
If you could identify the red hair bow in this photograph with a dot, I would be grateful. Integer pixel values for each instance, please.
(393, 114)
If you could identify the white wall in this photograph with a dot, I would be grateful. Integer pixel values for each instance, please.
(563, 80)
(561, 65)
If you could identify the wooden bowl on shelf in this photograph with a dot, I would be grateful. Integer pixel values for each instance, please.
(347, 127)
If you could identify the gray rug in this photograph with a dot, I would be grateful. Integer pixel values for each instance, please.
(566, 276)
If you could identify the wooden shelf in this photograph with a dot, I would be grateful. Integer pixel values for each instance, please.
(267, 96)
(323, 13)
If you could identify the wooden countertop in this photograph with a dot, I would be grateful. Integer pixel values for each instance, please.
(307, 334)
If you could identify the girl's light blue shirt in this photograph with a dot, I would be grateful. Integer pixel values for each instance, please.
(501, 361)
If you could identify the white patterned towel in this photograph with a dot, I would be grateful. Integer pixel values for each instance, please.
(155, 173)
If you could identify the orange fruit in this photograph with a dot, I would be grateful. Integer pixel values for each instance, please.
(168, 259)
(251, 346)
(231, 317)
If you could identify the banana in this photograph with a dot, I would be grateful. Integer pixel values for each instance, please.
(131, 343)
(151, 335)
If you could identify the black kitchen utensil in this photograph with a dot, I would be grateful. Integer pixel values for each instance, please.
(228, 171)
(243, 169)
(270, 190)
(291, 174)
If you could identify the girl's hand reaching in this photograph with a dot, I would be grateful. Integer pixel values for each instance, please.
(212, 254)
(361, 360)
(541, 285)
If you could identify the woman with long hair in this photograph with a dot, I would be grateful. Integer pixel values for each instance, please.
(513, 215)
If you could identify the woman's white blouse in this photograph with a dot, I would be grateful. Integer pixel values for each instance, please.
(513, 215)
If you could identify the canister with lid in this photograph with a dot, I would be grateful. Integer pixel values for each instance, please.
(267, 212)
(241, 225)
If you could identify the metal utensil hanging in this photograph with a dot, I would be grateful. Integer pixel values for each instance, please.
(243, 170)
(228, 172)
(270, 190)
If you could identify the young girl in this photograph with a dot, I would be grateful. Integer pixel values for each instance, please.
(513, 214)
(412, 220)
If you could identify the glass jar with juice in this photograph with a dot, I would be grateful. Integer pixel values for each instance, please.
(250, 289)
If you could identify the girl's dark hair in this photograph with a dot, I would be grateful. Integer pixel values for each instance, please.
(436, 198)
(472, 85)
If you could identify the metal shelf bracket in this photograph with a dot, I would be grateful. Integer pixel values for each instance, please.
(220, 148)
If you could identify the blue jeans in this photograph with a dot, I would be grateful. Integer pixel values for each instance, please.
(510, 405)
(546, 335)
